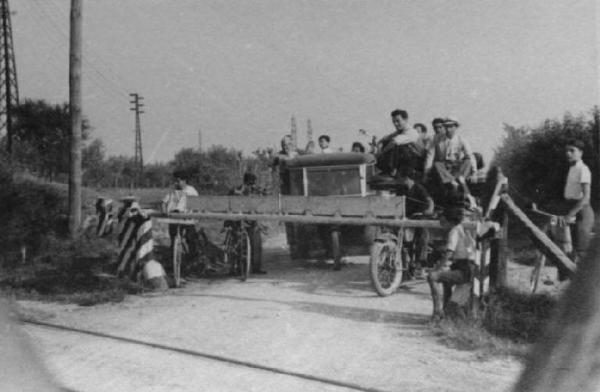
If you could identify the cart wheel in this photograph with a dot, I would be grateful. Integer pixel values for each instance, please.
(386, 267)
(177, 256)
(244, 254)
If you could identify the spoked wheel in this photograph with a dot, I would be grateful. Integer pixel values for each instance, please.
(244, 254)
(177, 256)
(386, 267)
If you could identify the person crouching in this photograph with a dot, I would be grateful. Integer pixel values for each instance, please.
(456, 265)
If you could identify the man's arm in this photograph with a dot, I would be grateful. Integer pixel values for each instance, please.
(584, 201)
(444, 261)
(429, 157)
(430, 206)
(469, 154)
(409, 136)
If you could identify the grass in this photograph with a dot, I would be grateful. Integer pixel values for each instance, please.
(507, 325)
(67, 271)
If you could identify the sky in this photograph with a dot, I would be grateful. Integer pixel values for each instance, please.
(239, 69)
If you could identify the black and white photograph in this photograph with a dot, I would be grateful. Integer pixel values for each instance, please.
(299, 195)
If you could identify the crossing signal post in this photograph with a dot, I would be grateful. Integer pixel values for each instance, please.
(138, 157)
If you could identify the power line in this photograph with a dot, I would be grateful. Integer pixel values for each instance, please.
(61, 45)
(56, 27)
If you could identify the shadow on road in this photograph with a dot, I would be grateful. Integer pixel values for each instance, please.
(339, 311)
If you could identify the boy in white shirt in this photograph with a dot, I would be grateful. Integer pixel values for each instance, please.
(456, 266)
(580, 215)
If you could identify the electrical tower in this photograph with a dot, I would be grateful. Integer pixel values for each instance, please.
(294, 133)
(138, 160)
(9, 91)
(309, 131)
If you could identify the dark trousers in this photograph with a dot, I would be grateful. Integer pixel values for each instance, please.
(580, 232)
(406, 155)
(448, 171)
(447, 277)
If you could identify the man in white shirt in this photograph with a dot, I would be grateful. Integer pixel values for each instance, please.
(176, 201)
(400, 148)
(451, 156)
(580, 215)
(324, 141)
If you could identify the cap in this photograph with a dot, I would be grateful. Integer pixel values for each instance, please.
(451, 121)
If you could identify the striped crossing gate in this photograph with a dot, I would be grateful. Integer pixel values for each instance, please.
(136, 245)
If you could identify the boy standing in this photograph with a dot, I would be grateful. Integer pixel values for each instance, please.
(577, 196)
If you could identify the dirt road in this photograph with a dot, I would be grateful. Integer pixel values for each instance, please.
(299, 318)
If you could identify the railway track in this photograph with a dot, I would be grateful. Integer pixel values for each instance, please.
(203, 355)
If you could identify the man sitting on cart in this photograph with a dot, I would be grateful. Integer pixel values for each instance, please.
(450, 158)
(249, 188)
(400, 148)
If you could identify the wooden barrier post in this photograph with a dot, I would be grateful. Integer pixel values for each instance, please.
(539, 238)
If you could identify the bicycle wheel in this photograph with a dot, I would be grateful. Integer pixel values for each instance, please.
(385, 267)
(244, 254)
(177, 257)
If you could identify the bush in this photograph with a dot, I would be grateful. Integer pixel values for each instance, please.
(30, 212)
(70, 271)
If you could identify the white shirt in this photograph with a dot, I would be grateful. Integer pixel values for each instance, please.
(326, 150)
(461, 243)
(410, 135)
(579, 174)
(176, 200)
(446, 149)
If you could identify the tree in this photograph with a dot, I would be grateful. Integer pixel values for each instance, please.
(41, 133)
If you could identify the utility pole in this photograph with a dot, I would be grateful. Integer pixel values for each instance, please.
(596, 138)
(75, 113)
(199, 140)
(9, 90)
(138, 160)
(294, 134)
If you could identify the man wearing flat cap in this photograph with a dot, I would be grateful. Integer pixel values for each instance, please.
(450, 157)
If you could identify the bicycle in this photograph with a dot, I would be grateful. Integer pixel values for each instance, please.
(236, 250)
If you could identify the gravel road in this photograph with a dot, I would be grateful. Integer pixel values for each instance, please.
(301, 327)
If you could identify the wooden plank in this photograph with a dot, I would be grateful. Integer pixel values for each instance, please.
(540, 239)
(311, 219)
(353, 206)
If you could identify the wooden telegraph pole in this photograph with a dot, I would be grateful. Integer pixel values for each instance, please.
(596, 186)
(76, 120)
